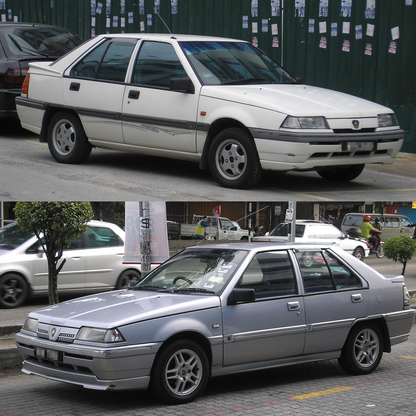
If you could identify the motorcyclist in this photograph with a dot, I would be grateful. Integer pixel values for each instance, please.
(366, 228)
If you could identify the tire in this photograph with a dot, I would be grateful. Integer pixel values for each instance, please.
(14, 291)
(233, 159)
(67, 140)
(359, 253)
(380, 251)
(363, 349)
(180, 373)
(126, 277)
(341, 173)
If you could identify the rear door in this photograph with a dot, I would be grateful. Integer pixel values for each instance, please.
(272, 327)
(95, 87)
(334, 298)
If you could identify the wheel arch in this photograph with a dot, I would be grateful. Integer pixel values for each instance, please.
(50, 112)
(382, 326)
(215, 128)
(198, 338)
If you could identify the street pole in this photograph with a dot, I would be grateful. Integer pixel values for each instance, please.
(145, 238)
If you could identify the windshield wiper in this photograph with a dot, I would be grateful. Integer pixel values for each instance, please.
(193, 289)
(148, 287)
(243, 81)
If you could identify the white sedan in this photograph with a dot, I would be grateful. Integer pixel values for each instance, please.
(220, 102)
(309, 231)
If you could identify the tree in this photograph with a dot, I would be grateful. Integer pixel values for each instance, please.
(401, 248)
(55, 224)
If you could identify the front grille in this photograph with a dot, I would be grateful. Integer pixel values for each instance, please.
(66, 337)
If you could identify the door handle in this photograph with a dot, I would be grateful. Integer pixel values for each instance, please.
(293, 306)
(134, 95)
(74, 86)
(356, 298)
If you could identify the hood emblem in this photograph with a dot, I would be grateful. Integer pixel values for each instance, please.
(53, 332)
(356, 124)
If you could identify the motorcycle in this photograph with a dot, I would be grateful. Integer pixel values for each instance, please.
(378, 250)
(257, 230)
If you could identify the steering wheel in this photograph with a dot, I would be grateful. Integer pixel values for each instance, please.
(182, 278)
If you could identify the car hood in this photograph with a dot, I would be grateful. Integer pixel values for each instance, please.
(121, 307)
(297, 100)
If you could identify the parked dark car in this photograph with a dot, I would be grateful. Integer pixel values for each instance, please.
(21, 43)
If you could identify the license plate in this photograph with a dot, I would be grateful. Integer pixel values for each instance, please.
(357, 146)
(48, 354)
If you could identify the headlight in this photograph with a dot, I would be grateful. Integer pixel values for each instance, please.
(30, 325)
(387, 120)
(99, 335)
(305, 123)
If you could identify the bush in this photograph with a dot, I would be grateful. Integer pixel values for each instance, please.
(401, 248)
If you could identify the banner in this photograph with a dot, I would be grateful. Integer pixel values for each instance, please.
(157, 225)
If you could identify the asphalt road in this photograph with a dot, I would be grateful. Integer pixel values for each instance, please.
(28, 172)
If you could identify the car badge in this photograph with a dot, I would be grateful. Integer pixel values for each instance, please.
(356, 124)
(53, 332)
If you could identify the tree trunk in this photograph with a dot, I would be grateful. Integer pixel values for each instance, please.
(52, 282)
(404, 267)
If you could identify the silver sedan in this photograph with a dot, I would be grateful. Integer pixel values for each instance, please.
(221, 309)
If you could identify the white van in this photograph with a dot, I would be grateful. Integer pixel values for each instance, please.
(390, 225)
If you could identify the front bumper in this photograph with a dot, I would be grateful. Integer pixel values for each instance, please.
(284, 151)
(99, 368)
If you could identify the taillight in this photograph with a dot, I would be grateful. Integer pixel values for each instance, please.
(25, 86)
(15, 76)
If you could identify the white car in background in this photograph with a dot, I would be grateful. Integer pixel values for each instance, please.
(94, 263)
(318, 232)
(220, 102)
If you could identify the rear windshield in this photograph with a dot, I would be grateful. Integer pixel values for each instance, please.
(38, 42)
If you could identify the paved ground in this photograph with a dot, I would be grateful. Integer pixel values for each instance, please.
(320, 388)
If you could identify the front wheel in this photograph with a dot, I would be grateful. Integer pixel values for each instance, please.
(341, 173)
(363, 349)
(67, 140)
(233, 159)
(180, 372)
(14, 290)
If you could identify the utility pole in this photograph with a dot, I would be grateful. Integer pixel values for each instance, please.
(145, 238)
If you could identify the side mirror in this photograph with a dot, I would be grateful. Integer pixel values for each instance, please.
(41, 251)
(182, 85)
(240, 295)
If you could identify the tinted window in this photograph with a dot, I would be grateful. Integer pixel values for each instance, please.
(322, 271)
(107, 62)
(270, 274)
(156, 65)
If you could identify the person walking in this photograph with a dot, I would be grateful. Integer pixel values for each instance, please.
(200, 232)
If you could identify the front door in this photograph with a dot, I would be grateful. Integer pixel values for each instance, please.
(155, 117)
(272, 327)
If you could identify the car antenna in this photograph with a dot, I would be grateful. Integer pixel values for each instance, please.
(160, 17)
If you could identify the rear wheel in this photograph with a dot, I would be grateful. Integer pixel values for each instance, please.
(359, 253)
(180, 372)
(14, 290)
(341, 173)
(126, 277)
(363, 349)
(380, 251)
(67, 140)
(233, 159)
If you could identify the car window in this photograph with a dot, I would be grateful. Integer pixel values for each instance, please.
(270, 274)
(12, 236)
(102, 237)
(157, 63)
(283, 230)
(353, 220)
(227, 225)
(107, 62)
(392, 222)
(406, 222)
(322, 271)
(39, 41)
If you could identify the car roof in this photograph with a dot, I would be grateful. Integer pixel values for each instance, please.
(259, 246)
(26, 24)
(168, 36)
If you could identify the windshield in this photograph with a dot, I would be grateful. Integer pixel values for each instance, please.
(39, 42)
(283, 229)
(203, 270)
(12, 236)
(228, 63)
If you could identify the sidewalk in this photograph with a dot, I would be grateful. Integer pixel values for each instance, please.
(405, 165)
